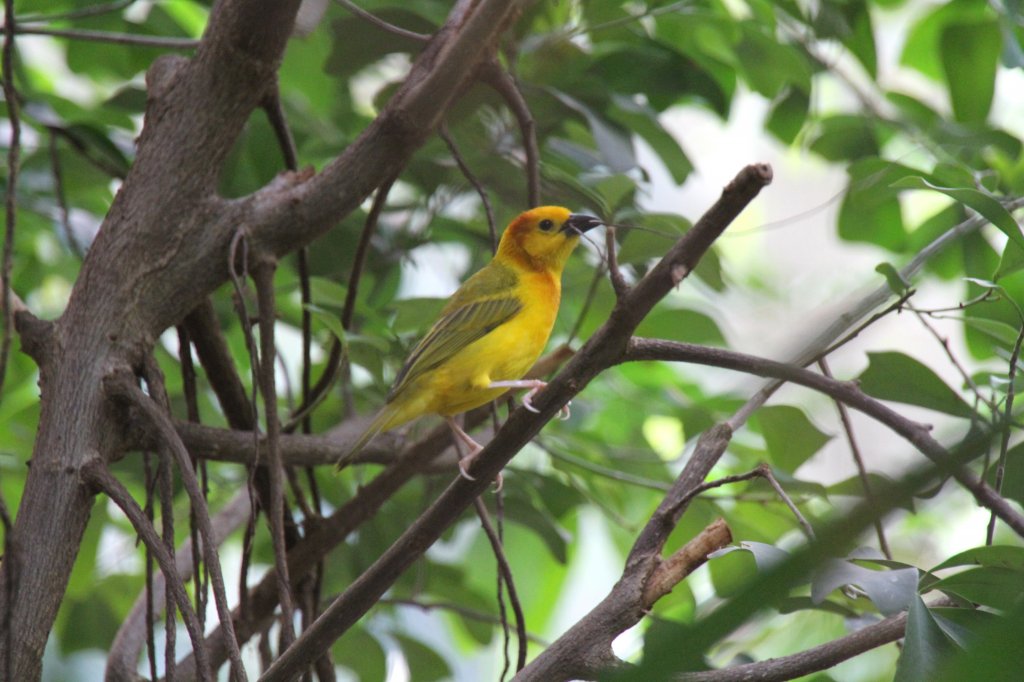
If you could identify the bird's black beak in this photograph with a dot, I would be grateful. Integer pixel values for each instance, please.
(579, 223)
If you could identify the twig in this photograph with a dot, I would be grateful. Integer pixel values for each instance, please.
(465, 611)
(279, 123)
(9, 574)
(123, 657)
(381, 24)
(124, 387)
(766, 473)
(165, 485)
(323, 385)
(847, 392)
(215, 357)
(473, 180)
(112, 38)
(11, 194)
(188, 382)
(858, 460)
(9, 577)
(506, 574)
(812, 660)
(263, 276)
(964, 374)
(505, 85)
(684, 561)
(588, 299)
(1004, 441)
(98, 475)
(94, 10)
(607, 472)
(151, 612)
(58, 193)
(614, 273)
(499, 512)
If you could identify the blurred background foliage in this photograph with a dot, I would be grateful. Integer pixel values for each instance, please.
(917, 104)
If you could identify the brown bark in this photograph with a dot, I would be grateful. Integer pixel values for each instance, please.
(163, 248)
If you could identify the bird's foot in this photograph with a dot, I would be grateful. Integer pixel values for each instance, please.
(473, 449)
(535, 386)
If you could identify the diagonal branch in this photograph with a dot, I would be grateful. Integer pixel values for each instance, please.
(124, 387)
(129, 641)
(603, 350)
(98, 475)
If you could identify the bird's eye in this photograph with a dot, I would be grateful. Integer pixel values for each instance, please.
(546, 225)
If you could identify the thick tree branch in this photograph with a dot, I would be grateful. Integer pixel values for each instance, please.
(167, 231)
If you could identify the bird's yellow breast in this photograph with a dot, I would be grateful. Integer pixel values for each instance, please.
(504, 354)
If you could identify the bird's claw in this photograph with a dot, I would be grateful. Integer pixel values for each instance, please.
(563, 412)
(464, 468)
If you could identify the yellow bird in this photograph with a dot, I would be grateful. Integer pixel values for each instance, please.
(491, 331)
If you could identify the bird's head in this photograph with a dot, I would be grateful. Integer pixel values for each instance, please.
(543, 237)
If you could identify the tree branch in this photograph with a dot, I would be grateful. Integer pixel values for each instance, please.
(99, 476)
(847, 392)
(123, 658)
(815, 659)
(124, 387)
(600, 352)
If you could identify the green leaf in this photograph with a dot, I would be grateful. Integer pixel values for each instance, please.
(614, 145)
(329, 320)
(1002, 333)
(845, 138)
(416, 314)
(362, 653)
(327, 292)
(790, 436)
(995, 654)
(689, 326)
(965, 627)
(1013, 479)
(924, 646)
(899, 377)
(1011, 261)
(984, 204)
(1001, 556)
(541, 522)
(922, 49)
(769, 66)
(879, 483)
(731, 570)
(643, 121)
(891, 591)
(425, 664)
(870, 211)
(787, 115)
(993, 586)
(893, 278)
(970, 55)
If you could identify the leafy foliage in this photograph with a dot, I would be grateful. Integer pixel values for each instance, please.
(928, 157)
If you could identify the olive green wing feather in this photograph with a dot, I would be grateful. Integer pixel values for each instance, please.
(459, 326)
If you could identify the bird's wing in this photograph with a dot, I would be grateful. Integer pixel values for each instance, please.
(456, 329)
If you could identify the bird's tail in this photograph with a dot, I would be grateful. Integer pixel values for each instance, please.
(382, 422)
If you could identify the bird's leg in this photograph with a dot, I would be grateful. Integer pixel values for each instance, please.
(535, 385)
(473, 449)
